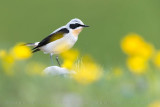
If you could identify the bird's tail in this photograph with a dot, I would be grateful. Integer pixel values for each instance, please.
(35, 50)
(32, 44)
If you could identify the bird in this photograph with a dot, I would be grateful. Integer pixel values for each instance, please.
(60, 40)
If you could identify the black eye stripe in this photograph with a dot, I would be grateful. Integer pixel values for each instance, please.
(73, 26)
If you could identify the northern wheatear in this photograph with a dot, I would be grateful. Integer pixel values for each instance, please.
(60, 40)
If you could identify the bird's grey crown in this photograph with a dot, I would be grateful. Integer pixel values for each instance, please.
(74, 21)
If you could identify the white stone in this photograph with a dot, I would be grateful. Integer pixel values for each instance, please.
(56, 70)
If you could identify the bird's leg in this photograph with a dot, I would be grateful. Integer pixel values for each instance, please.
(58, 61)
(51, 58)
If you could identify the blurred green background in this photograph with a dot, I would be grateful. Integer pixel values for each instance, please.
(109, 21)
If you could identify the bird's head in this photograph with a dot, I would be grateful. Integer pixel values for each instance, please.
(76, 26)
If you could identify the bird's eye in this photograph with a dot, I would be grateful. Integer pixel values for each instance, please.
(74, 26)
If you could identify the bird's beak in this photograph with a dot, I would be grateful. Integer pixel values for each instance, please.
(85, 26)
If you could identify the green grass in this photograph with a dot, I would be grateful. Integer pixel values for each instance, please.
(126, 90)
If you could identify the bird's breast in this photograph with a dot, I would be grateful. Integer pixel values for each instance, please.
(76, 32)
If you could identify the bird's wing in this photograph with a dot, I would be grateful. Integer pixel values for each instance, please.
(52, 37)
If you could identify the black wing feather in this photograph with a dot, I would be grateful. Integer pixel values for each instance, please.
(47, 39)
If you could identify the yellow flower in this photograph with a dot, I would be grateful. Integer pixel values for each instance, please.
(139, 52)
(155, 104)
(134, 44)
(147, 50)
(157, 59)
(2, 53)
(70, 54)
(7, 61)
(131, 43)
(21, 52)
(35, 68)
(87, 72)
(137, 64)
(68, 64)
(69, 58)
